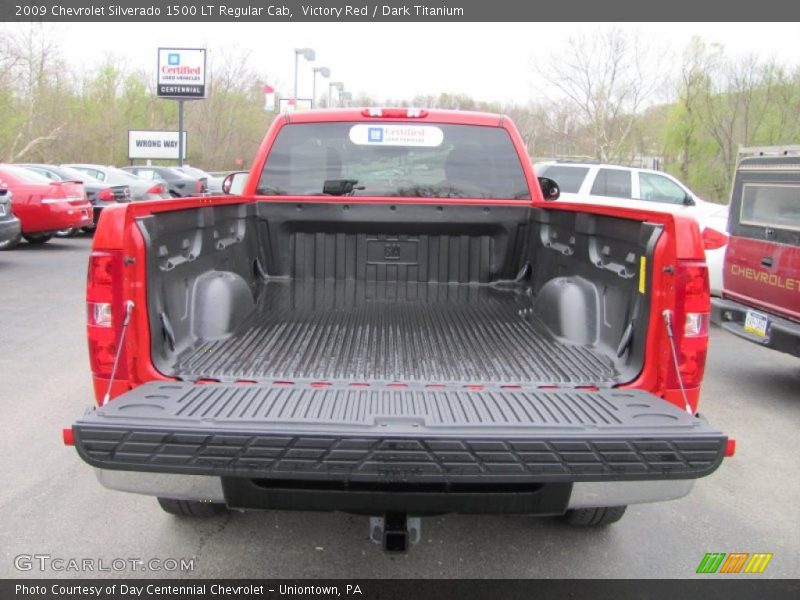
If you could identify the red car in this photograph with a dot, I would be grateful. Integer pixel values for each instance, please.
(45, 206)
(761, 279)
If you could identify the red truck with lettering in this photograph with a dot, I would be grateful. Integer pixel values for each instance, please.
(389, 316)
(761, 276)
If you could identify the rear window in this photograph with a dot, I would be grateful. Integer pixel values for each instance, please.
(76, 174)
(119, 174)
(394, 159)
(173, 173)
(25, 175)
(193, 172)
(776, 206)
(569, 179)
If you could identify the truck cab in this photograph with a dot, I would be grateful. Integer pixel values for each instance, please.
(761, 277)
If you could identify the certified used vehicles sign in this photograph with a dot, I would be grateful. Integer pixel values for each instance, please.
(182, 72)
(396, 135)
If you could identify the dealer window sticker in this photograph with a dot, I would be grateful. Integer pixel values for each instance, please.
(364, 134)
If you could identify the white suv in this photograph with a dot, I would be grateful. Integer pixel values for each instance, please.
(615, 185)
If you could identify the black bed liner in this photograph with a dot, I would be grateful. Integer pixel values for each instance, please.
(395, 331)
(414, 434)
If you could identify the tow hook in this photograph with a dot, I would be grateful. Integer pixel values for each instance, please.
(396, 532)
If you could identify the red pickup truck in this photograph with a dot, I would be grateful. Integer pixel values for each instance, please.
(391, 319)
(761, 274)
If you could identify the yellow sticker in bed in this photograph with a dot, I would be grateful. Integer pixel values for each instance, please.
(642, 274)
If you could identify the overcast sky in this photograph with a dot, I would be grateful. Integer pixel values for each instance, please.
(488, 61)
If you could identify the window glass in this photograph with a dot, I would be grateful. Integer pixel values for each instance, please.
(91, 172)
(569, 179)
(114, 173)
(660, 189)
(612, 182)
(76, 174)
(25, 175)
(171, 174)
(49, 174)
(394, 159)
(775, 206)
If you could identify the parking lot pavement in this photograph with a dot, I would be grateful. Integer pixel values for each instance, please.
(51, 503)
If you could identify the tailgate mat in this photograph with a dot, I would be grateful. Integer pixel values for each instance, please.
(388, 434)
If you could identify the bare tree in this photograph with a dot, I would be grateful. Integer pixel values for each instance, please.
(28, 58)
(231, 121)
(734, 108)
(607, 77)
(694, 81)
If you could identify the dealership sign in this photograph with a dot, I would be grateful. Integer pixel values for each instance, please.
(182, 73)
(154, 144)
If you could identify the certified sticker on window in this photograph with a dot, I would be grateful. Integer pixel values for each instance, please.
(367, 134)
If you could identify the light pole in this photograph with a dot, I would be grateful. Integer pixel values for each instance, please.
(339, 88)
(309, 55)
(325, 72)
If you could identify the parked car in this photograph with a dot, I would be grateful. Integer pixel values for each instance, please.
(98, 193)
(616, 185)
(44, 206)
(10, 228)
(430, 336)
(180, 184)
(112, 176)
(761, 279)
(213, 182)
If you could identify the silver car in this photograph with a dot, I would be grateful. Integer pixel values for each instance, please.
(140, 189)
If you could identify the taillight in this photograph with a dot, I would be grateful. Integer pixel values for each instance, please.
(106, 195)
(395, 113)
(105, 312)
(713, 239)
(692, 308)
(198, 186)
(156, 189)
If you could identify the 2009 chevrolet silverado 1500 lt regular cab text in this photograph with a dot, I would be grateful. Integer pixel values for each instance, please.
(391, 320)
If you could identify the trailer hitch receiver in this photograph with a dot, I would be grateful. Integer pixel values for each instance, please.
(396, 532)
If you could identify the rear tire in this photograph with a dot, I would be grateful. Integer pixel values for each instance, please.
(191, 508)
(12, 243)
(37, 238)
(594, 517)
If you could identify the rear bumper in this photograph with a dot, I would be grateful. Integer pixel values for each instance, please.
(61, 215)
(782, 335)
(250, 494)
(341, 448)
(9, 228)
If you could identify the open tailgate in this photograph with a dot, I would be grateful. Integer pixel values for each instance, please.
(407, 434)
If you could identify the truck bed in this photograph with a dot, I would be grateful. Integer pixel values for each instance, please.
(418, 295)
(391, 331)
